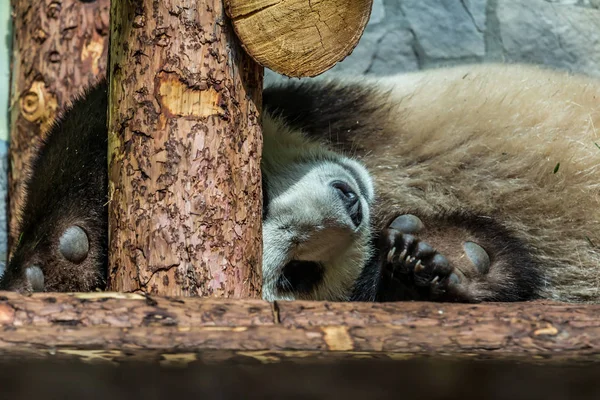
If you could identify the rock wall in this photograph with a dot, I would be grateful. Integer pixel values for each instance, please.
(5, 42)
(407, 35)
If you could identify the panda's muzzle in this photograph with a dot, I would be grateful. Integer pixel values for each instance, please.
(351, 201)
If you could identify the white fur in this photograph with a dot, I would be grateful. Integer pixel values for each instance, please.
(307, 220)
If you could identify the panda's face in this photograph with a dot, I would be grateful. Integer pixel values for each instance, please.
(316, 230)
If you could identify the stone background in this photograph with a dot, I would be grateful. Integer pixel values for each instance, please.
(407, 35)
(5, 42)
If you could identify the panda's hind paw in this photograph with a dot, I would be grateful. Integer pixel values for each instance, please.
(410, 261)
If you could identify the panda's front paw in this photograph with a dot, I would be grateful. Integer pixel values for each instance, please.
(413, 269)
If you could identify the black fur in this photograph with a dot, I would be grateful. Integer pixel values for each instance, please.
(328, 112)
(67, 186)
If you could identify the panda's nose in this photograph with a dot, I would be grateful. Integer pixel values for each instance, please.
(350, 200)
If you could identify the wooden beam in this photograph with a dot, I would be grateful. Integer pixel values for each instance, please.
(116, 328)
(184, 152)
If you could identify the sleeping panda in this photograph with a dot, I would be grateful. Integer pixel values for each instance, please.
(458, 202)
(487, 179)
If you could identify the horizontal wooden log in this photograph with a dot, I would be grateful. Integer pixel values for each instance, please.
(118, 328)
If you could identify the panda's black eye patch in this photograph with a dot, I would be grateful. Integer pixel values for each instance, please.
(345, 191)
(74, 244)
(350, 200)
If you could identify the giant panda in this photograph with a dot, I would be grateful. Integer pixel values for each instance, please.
(479, 185)
(487, 178)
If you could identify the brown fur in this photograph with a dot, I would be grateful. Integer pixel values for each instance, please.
(491, 137)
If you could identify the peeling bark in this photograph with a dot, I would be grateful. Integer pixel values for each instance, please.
(184, 152)
(59, 47)
(118, 328)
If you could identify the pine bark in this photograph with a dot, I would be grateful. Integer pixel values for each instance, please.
(184, 152)
(59, 47)
(118, 328)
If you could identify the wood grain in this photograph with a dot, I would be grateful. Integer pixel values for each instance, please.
(299, 38)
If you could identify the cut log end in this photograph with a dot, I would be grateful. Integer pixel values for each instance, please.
(297, 38)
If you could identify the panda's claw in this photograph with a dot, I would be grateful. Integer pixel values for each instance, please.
(419, 266)
(390, 254)
(402, 256)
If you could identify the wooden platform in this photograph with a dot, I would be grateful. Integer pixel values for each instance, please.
(118, 328)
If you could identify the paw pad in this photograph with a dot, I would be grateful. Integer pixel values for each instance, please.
(413, 269)
(35, 277)
(478, 257)
(454, 279)
(407, 223)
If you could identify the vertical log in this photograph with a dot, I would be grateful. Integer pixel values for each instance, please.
(59, 46)
(184, 152)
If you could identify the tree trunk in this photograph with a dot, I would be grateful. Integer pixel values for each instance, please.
(184, 152)
(59, 47)
(117, 328)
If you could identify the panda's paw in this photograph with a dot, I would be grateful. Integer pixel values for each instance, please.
(473, 265)
(408, 261)
(412, 269)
